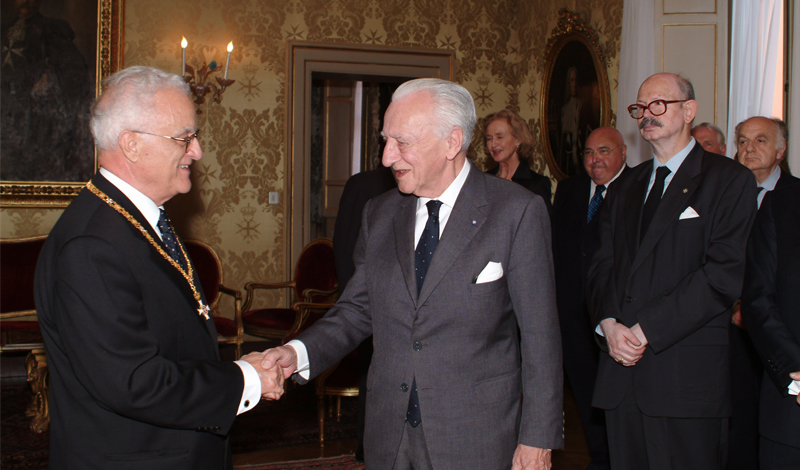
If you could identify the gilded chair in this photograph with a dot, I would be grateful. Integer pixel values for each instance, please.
(18, 332)
(339, 381)
(209, 270)
(314, 290)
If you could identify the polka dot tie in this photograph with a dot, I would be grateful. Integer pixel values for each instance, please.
(427, 243)
(169, 238)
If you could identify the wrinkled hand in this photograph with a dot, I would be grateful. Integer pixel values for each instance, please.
(285, 356)
(272, 378)
(736, 318)
(624, 346)
(531, 458)
(796, 376)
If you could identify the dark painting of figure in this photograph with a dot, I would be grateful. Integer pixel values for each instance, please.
(574, 106)
(47, 89)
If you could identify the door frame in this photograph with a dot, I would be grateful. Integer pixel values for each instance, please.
(305, 58)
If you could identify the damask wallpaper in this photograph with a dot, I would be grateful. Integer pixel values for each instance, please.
(499, 46)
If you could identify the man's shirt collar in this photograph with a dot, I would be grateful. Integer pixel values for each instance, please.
(146, 206)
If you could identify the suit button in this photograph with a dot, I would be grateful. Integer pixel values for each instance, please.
(417, 346)
(629, 299)
(216, 428)
(404, 387)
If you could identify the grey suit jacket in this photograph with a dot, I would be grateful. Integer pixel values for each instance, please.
(458, 339)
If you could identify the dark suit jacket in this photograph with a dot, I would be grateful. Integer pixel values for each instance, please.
(459, 339)
(770, 309)
(359, 189)
(135, 375)
(574, 243)
(679, 284)
(534, 182)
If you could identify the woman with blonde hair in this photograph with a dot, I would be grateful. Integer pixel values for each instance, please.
(509, 142)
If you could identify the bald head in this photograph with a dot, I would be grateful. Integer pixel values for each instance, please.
(666, 109)
(604, 154)
(710, 137)
(761, 145)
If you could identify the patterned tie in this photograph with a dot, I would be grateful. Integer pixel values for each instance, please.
(422, 260)
(169, 238)
(427, 243)
(594, 204)
(653, 199)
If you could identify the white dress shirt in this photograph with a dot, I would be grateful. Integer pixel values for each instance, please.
(252, 384)
(448, 200)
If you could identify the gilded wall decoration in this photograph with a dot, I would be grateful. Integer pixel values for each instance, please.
(499, 47)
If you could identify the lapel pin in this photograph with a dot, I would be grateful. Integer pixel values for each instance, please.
(474, 222)
(685, 190)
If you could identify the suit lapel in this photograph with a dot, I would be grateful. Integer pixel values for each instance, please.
(674, 201)
(458, 232)
(114, 193)
(634, 203)
(404, 223)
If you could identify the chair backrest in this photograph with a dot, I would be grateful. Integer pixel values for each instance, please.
(208, 266)
(18, 257)
(316, 269)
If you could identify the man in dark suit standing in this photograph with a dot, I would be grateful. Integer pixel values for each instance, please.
(135, 375)
(761, 147)
(574, 237)
(668, 268)
(770, 302)
(451, 385)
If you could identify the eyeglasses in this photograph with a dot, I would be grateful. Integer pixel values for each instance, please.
(602, 151)
(187, 140)
(657, 108)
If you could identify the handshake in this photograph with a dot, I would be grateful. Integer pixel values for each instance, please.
(274, 366)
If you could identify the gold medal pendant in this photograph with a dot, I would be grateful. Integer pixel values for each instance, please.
(188, 274)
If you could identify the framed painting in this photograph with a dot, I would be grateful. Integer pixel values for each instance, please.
(55, 54)
(576, 94)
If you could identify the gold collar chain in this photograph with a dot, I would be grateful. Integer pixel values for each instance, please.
(203, 309)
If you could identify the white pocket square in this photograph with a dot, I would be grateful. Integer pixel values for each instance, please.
(689, 213)
(492, 272)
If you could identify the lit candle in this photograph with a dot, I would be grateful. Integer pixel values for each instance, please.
(183, 56)
(228, 62)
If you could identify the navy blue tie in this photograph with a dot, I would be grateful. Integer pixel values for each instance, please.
(427, 243)
(169, 238)
(422, 260)
(653, 199)
(594, 204)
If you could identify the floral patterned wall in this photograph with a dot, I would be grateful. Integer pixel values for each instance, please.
(499, 46)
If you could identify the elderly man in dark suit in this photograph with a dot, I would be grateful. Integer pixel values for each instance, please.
(668, 268)
(574, 237)
(770, 302)
(135, 375)
(451, 385)
(761, 146)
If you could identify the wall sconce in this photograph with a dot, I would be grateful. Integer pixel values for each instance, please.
(198, 80)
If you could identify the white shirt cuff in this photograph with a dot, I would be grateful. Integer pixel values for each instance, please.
(794, 388)
(252, 387)
(302, 358)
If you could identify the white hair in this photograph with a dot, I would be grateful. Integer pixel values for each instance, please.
(126, 102)
(453, 106)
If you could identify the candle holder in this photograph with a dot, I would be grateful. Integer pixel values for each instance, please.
(201, 85)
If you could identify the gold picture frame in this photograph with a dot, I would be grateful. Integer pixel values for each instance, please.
(575, 91)
(109, 41)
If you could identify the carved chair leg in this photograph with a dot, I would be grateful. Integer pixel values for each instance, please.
(321, 417)
(38, 376)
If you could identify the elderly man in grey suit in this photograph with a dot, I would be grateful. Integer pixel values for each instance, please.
(453, 384)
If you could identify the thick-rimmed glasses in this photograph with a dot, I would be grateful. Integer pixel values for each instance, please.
(657, 108)
(602, 151)
(187, 140)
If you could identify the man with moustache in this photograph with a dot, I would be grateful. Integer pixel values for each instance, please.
(466, 371)
(577, 201)
(710, 137)
(135, 375)
(761, 146)
(667, 269)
